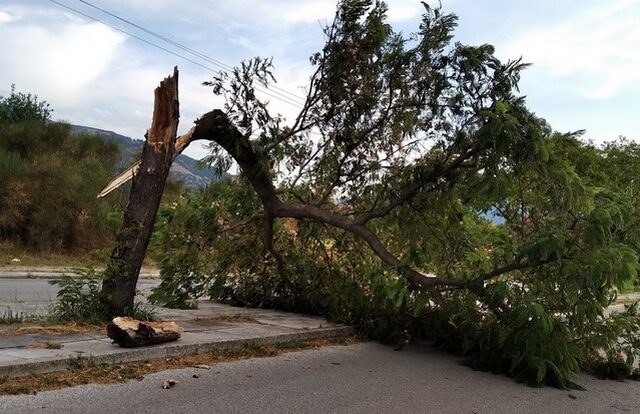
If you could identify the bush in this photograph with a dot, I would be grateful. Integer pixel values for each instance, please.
(47, 198)
(79, 300)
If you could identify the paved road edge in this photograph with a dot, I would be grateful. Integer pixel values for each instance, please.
(175, 349)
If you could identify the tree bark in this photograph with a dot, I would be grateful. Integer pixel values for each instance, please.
(128, 332)
(121, 274)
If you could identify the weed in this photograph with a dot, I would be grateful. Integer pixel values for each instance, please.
(9, 317)
(143, 312)
(15, 389)
(85, 370)
(79, 300)
(81, 362)
(52, 345)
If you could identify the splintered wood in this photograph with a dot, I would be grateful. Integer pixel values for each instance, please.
(128, 332)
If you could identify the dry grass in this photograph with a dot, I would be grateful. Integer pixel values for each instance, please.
(55, 259)
(63, 329)
(85, 372)
(9, 251)
(231, 317)
(46, 345)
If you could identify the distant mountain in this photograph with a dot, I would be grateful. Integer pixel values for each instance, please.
(184, 168)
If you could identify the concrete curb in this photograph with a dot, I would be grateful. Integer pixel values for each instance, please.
(54, 275)
(170, 349)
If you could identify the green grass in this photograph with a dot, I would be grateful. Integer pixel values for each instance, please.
(633, 286)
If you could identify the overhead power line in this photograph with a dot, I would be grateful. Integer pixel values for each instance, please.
(267, 91)
(288, 94)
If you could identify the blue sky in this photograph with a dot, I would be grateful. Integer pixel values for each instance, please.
(585, 54)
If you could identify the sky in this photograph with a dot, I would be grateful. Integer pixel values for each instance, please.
(585, 55)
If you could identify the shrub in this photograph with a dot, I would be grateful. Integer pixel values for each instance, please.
(79, 300)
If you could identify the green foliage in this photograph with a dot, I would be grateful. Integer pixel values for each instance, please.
(53, 345)
(19, 107)
(413, 140)
(79, 300)
(47, 195)
(188, 227)
(614, 344)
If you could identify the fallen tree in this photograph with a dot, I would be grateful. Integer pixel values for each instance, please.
(406, 146)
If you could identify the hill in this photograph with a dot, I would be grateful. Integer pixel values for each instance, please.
(185, 168)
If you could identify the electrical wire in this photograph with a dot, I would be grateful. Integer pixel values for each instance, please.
(262, 89)
(273, 88)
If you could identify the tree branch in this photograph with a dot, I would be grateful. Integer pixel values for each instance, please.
(409, 193)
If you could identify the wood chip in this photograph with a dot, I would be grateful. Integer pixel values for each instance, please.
(168, 383)
(202, 366)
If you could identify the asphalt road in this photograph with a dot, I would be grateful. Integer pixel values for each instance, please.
(361, 378)
(33, 296)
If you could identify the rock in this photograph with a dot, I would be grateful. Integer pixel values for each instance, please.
(128, 332)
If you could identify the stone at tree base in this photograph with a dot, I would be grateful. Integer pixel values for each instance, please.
(128, 332)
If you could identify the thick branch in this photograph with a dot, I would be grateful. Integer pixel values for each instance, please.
(416, 278)
(215, 126)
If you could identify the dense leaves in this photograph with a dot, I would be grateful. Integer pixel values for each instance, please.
(49, 179)
(415, 195)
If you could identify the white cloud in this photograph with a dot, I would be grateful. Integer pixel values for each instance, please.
(307, 11)
(5, 17)
(58, 60)
(95, 76)
(597, 49)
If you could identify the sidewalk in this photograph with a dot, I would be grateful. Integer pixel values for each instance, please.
(203, 333)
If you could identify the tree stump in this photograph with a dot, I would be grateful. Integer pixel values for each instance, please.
(128, 332)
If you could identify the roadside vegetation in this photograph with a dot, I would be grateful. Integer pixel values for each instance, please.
(84, 371)
(79, 300)
(414, 197)
(49, 179)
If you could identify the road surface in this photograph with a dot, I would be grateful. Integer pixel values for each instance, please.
(32, 297)
(361, 378)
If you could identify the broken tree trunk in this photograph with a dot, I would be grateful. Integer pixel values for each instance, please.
(121, 274)
(181, 143)
(129, 332)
